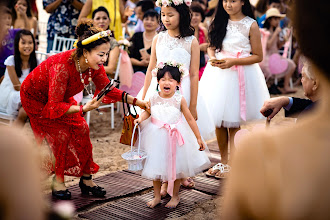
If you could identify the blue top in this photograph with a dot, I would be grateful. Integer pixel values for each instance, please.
(263, 18)
(7, 46)
(63, 20)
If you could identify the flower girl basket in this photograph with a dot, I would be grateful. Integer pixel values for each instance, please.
(135, 157)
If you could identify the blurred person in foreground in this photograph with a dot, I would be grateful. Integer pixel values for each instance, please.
(284, 173)
(294, 106)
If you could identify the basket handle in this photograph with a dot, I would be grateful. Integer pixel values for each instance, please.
(136, 125)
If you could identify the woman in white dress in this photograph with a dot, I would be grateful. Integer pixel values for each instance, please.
(18, 66)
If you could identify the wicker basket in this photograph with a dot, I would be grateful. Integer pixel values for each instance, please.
(135, 157)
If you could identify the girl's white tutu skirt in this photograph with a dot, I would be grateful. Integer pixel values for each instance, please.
(220, 90)
(204, 122)
(155, 141)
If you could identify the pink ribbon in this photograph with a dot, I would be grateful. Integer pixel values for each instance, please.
(174, 136)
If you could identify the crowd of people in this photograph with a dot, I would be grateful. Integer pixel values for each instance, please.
(210, 67)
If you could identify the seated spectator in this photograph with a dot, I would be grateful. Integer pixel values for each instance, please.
(197, 18)
(140, 49)
(271, 4)
(284, 173)
(22, 17)
(7, 44)
(286, 67)
(141, 8)
(101, 19)
(18, 66)
(294, 106)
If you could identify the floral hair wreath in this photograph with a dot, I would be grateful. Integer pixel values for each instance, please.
(160, 3)
(182, 69)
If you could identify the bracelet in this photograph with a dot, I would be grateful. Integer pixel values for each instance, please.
(81, 113)
(134, 101)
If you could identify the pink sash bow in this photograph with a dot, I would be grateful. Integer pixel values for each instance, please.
(174, 136)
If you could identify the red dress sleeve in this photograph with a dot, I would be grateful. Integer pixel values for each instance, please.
(58, 81)
(101, 80)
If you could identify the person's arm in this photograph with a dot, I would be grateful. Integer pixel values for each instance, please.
(275, 104)
(35, 26)
(274, 38)
(86, 9)
(77, 4)
(136, 62)
(52, 6)
(194, 77)
(112, 60)
(211, 52)
(13, 77)
(192, 123)
(152, 64)
(298, 105)
(144, 115)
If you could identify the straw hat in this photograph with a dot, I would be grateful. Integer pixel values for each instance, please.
(274, 12)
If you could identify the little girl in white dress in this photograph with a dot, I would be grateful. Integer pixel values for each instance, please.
(174, 149)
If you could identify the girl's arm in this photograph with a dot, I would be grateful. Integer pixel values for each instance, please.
(53, 6)
(86, 9)
(145, 115)
(112, 63)
(192, 123)
(13, 77)
(152, 64)
(274, 37)
(35, 26)
(211, 52)
(194, 77)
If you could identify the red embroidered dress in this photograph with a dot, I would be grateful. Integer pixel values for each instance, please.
(46, 95)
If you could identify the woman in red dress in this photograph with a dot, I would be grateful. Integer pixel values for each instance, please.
(47, 97)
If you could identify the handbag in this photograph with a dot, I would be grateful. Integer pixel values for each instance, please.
(128, 123)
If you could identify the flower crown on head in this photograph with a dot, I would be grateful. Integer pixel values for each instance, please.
(160, 3)
(182, 69)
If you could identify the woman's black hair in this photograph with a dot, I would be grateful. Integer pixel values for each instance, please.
(195, 7)
(28, 11)
(218, 27)
(85, 29)
(185, 19)
(173, 71)
(17, 55)
(145, 5)
(151, 13)
(101, 8)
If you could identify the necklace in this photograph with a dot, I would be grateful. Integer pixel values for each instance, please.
(90, 92)
(145, 38)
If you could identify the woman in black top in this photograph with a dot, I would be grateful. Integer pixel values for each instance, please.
(140, 49)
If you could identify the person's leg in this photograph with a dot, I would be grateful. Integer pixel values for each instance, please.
(49, 45)
(175, 198)
(157, 196)
(222, 138)
(21, 118)
(232, 133)
(163, 190)
(288, 74)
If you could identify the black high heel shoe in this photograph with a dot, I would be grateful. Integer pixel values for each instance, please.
(60, 194)
(95, 190)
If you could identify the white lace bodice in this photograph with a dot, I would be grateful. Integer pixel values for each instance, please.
(237, 36)
(167, 110)
(178, 49)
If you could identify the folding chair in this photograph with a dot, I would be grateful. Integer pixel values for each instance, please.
(62, 44)
(42, 55)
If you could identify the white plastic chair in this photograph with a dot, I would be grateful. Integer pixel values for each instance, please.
(62, 44)
(7, 117)
(42, 55)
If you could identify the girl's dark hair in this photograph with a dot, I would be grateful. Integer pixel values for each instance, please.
(173, 71)
(267, 23)
(185, 19)
(17, 55)
(195, 7)
(151, 13)
(85, 29)
(218, 27)
(101, 8)
(28, 10)
(145, 5)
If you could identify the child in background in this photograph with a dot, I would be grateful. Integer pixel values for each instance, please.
(23, 18)
(233, 84)
(18, 66)
(173, 145)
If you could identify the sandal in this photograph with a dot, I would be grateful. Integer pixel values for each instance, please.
(214, 170)
(223, 173)
(188, 183)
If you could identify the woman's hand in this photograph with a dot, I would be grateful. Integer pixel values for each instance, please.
(144, 62)
(143, 105)
(193, 112)
(201, 144)
(92, 104)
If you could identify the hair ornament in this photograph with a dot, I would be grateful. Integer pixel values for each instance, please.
(160, 3)
(92, 38)
(182, 69)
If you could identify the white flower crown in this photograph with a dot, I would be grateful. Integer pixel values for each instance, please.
(182, 69)
(160, 3)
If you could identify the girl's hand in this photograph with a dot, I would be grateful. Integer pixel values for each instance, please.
(137, 121)
(278, 30)
(201, 144)
(193, 112)
(92, 104)
(228, 63)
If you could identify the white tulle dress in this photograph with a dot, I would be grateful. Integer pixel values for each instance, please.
(10, 100)
(155, 140)
(174, 49)
(220, 88)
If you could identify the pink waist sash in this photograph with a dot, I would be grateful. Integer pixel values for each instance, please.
(174, 136)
